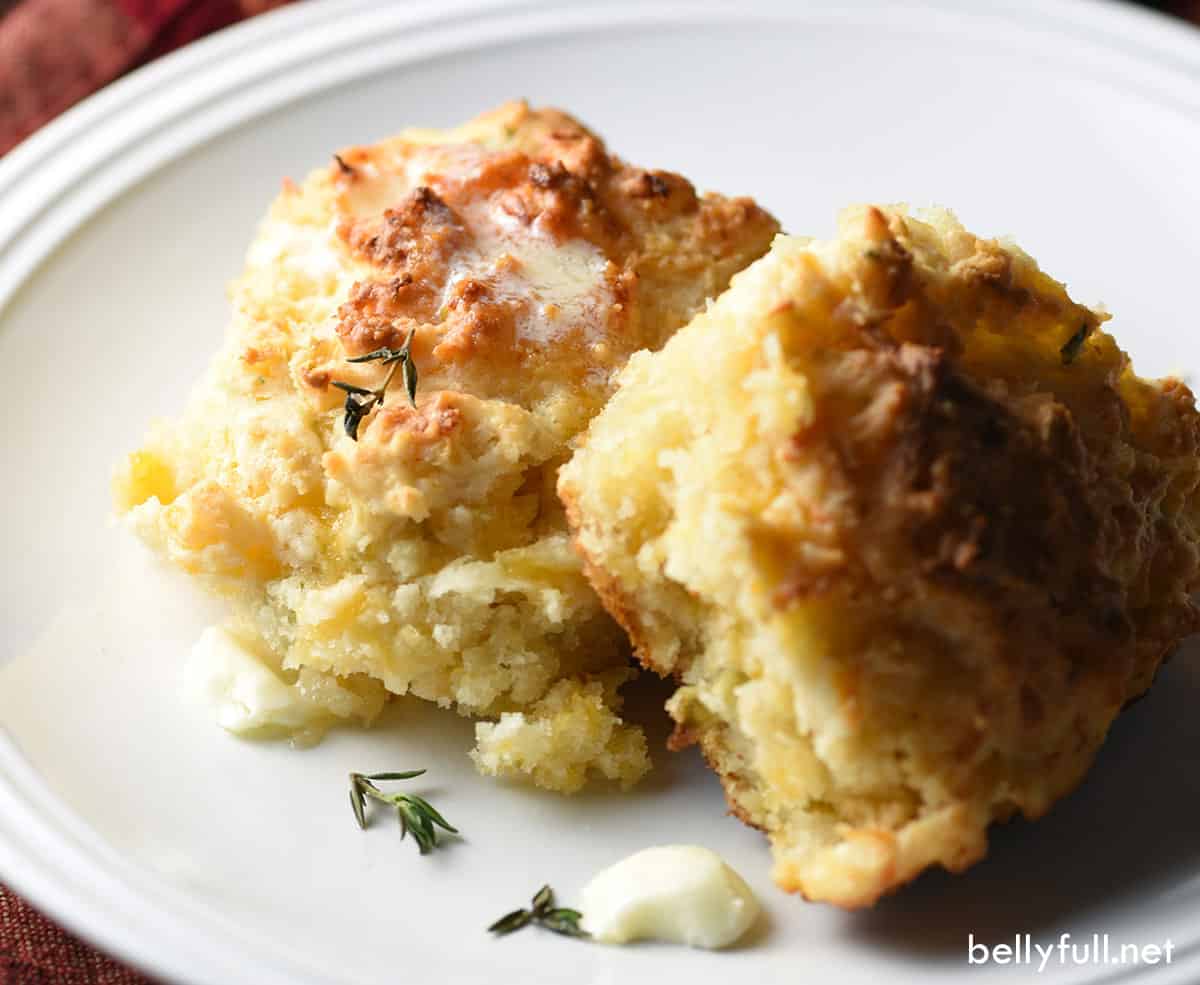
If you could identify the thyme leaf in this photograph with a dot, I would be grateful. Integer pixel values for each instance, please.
(408, 369)
(565, 922)
(358, 803)
(360, 401)
(415, 814)
(510, 922)
(384, 354)
(1074, 345)
(358, 404)
(406, 775)
(543, 913)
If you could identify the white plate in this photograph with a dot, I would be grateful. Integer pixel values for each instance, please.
(130, 817)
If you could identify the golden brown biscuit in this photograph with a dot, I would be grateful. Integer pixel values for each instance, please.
(908, 529)
(427, 552)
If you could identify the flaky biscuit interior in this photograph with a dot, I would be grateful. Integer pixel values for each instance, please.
(909, 531)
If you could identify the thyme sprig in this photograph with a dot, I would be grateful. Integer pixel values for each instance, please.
(415, 813)
(1074, 345)
(360, 401)
(543, 912)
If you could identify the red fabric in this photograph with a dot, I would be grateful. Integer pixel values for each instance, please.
(33, 951)
(189, 21)
(151, 14)
(55, 52)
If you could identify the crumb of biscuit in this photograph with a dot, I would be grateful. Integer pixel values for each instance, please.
(570, 734)
(909, 531)
(430, 555)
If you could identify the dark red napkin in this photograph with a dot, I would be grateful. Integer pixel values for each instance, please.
(33, 951)
(55, 52)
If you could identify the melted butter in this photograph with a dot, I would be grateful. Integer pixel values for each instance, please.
(684, 894)
(310, 250)
(567, 284)
(388, 176)
(245, 695)
(377, 189)
(562, 287)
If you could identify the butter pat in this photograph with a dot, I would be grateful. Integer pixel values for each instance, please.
(244, 694)
(684, 894)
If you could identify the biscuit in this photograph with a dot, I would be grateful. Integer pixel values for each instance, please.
(909, 531)
(427, 553)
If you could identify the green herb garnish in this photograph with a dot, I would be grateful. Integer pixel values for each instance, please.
(1074, 345)
(416, 814)
(544, 913)
(360, 401)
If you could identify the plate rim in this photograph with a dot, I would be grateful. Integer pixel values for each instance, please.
(62, 175)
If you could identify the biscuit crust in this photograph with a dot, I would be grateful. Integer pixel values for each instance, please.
(430, 556)
(910, 532)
